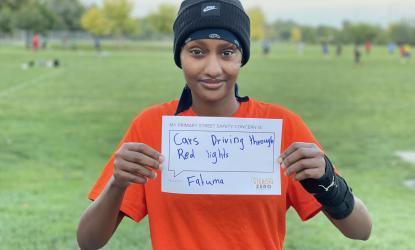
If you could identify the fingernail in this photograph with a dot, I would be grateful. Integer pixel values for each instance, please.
(161, 158)
(279, 159)
(155, 175)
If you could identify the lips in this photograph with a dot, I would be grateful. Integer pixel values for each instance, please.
(212, 83)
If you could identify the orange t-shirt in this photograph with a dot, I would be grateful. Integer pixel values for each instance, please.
(180, 221)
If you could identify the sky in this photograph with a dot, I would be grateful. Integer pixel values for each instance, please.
(311, 12)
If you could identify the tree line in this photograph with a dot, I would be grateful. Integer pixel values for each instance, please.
(115, 18)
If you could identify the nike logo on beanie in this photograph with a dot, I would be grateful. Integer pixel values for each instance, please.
(210, 9)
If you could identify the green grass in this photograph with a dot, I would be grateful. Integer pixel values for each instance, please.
(59, 126)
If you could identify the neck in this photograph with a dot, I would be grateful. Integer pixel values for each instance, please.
(224, 108)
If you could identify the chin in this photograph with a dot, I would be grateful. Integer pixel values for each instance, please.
(212, 96)
(213, 99)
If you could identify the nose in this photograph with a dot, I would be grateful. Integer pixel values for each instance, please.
(213, 67)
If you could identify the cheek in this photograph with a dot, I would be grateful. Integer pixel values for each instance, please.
(189, 71)
(187, 75)
(233, 69)
(187, 68)
(190, 66)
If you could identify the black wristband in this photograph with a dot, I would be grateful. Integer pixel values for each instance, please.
(325, 183)
(332, 192)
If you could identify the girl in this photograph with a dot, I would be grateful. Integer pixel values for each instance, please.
(211, 44)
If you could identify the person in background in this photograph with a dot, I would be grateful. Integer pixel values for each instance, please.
(405, 52)
(266, 47)
(45, 41)
(391, 48)
(339, 49)
(368, 47)
(357, 53)
(300, 48)
(35, 42)
(325, 49)
(408, 51)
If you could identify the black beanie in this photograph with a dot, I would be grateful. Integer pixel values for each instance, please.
(203, 14)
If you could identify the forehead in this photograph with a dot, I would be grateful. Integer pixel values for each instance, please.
(210, 43)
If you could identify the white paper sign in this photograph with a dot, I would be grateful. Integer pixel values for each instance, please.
(221, 155)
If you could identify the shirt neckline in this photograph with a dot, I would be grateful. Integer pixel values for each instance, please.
(240, 112)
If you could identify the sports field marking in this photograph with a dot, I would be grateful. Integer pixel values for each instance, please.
(408, 156)
(26, 84)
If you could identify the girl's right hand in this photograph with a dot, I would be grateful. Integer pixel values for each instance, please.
(135, 163)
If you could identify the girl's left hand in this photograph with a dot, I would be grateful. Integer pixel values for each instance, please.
(304, 160)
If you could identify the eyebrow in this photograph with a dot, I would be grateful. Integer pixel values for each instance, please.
(222, 45)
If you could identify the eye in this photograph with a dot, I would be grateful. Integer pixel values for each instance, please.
(196, 52)
(228, 53)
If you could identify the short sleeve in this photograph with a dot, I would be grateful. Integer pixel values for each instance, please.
(134, 202)
(304, 203)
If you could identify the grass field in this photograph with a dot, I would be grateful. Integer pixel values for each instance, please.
(59, 126)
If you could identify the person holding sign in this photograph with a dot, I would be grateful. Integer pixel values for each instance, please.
(211, 44)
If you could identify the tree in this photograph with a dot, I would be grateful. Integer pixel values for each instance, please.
(309, 34)
(144, 28)
(283, 29)
(360, 32)
(35, 17)
(95, 22)
(257, 23)
(7, 8)
(326, 33)
(296, 35)
(13, 4)
(6, 20)
(403, 31)
(118, 13)
(69, 13)
(162, 20)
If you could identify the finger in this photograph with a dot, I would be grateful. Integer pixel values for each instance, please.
(129, 178)
(309, 173)
(140, 158)
(136, 169)
(304, 164)
(145, 149)
(292, 148)
(302, 153)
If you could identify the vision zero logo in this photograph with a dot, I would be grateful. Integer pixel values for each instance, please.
(209, 8)
(262, 183)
